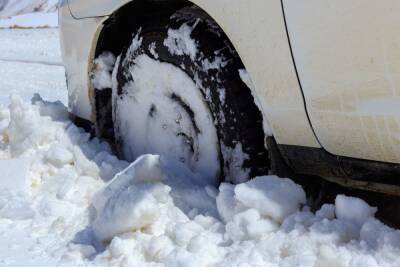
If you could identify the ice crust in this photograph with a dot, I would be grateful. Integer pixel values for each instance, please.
(96, 210)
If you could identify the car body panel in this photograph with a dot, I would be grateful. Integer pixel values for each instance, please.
(78, 39)
(258, 33)
(348, 58)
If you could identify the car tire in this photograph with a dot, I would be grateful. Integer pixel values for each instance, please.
(213, 66)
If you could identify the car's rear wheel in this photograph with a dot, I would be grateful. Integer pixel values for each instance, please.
(178, 93)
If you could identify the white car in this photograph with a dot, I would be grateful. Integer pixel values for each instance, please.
(237, 88)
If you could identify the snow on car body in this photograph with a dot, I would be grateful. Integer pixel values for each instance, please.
(324, 75)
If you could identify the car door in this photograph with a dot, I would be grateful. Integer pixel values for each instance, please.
(347, 54)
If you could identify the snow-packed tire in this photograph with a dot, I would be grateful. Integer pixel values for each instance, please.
(188, 67)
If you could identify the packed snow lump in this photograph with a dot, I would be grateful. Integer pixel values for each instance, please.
(93, 209)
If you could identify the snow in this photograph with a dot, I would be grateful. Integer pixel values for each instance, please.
(28, 13)
(104, 65)
(179, 42)
(30, 62)
(14, 174)
(85, 207)
(235, 158)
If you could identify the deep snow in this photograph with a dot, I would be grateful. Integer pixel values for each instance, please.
(75, 204)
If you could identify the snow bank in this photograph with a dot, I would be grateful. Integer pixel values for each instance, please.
(155, 213)
(353, 209)
(271, 196)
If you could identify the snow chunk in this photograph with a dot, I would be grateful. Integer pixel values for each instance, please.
(353, 209)
(179, 42)
(249, 225)
(217, 63)
(104, 65)
(59, 156)
(133, 200)
(132, 209)
(146, 168)
(271, 196)
(14, 174)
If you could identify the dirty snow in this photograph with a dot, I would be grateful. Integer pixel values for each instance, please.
(84, 207)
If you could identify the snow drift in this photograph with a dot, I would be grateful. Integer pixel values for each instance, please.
(84, 207)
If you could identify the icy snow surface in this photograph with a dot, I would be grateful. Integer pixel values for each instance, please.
(84, 207)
